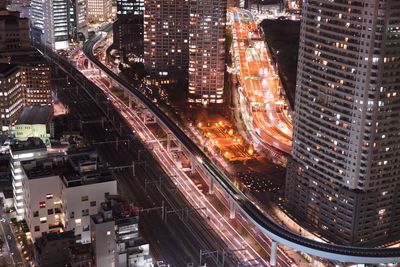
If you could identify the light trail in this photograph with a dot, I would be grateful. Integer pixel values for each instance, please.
(260, 84)
(196, 198)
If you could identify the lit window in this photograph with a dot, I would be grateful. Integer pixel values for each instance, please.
(78, 222)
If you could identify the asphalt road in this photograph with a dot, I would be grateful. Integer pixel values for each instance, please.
(10, 242)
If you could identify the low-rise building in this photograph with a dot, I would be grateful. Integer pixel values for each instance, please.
(83, 190)
(52, 249)
(32, 148)
(115, 235)
(35, 121)
(61, 191)
(80, 255)
(42, 195)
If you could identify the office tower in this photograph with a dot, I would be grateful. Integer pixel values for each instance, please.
(207, 51)
(11, 99)
(98, 10)
(128, 28)
(344, 177)
(78, 19)
(14, 31)
(35, 78)
(56, 24)
(115, 235)
(53, 22)
(166, 25)
(36, 17)
(233, 3)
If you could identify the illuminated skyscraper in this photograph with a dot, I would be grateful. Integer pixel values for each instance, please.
(50, 22)
(128, 28)
(207, 50)
(78, 18)
(166, 38)
(11, 98)
(99, 10)
(345, 173)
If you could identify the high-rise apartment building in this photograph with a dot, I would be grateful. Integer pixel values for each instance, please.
(11, 98)
(207, 33)
(166, 37)
(99, 10)
(344, 176)
(128, 28)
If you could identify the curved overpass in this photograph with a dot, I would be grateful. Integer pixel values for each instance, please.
(268, 226)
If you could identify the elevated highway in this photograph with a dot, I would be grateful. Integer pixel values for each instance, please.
(268, 226)
(239, 201)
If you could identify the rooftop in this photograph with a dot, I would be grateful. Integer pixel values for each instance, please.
(31, 58)
(39, 168)
(115, 209)
(29, 144)
(92, 177)
(7, 69)
(36, 115)
(43, 241)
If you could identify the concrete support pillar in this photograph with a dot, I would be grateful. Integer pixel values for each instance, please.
(148, 118)
(211, 187)
(232, 209)
(272, 259)
(170, 144)
(193, 165)
(129, 102)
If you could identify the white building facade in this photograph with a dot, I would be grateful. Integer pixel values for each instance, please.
(82, 201)
(31, 149)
